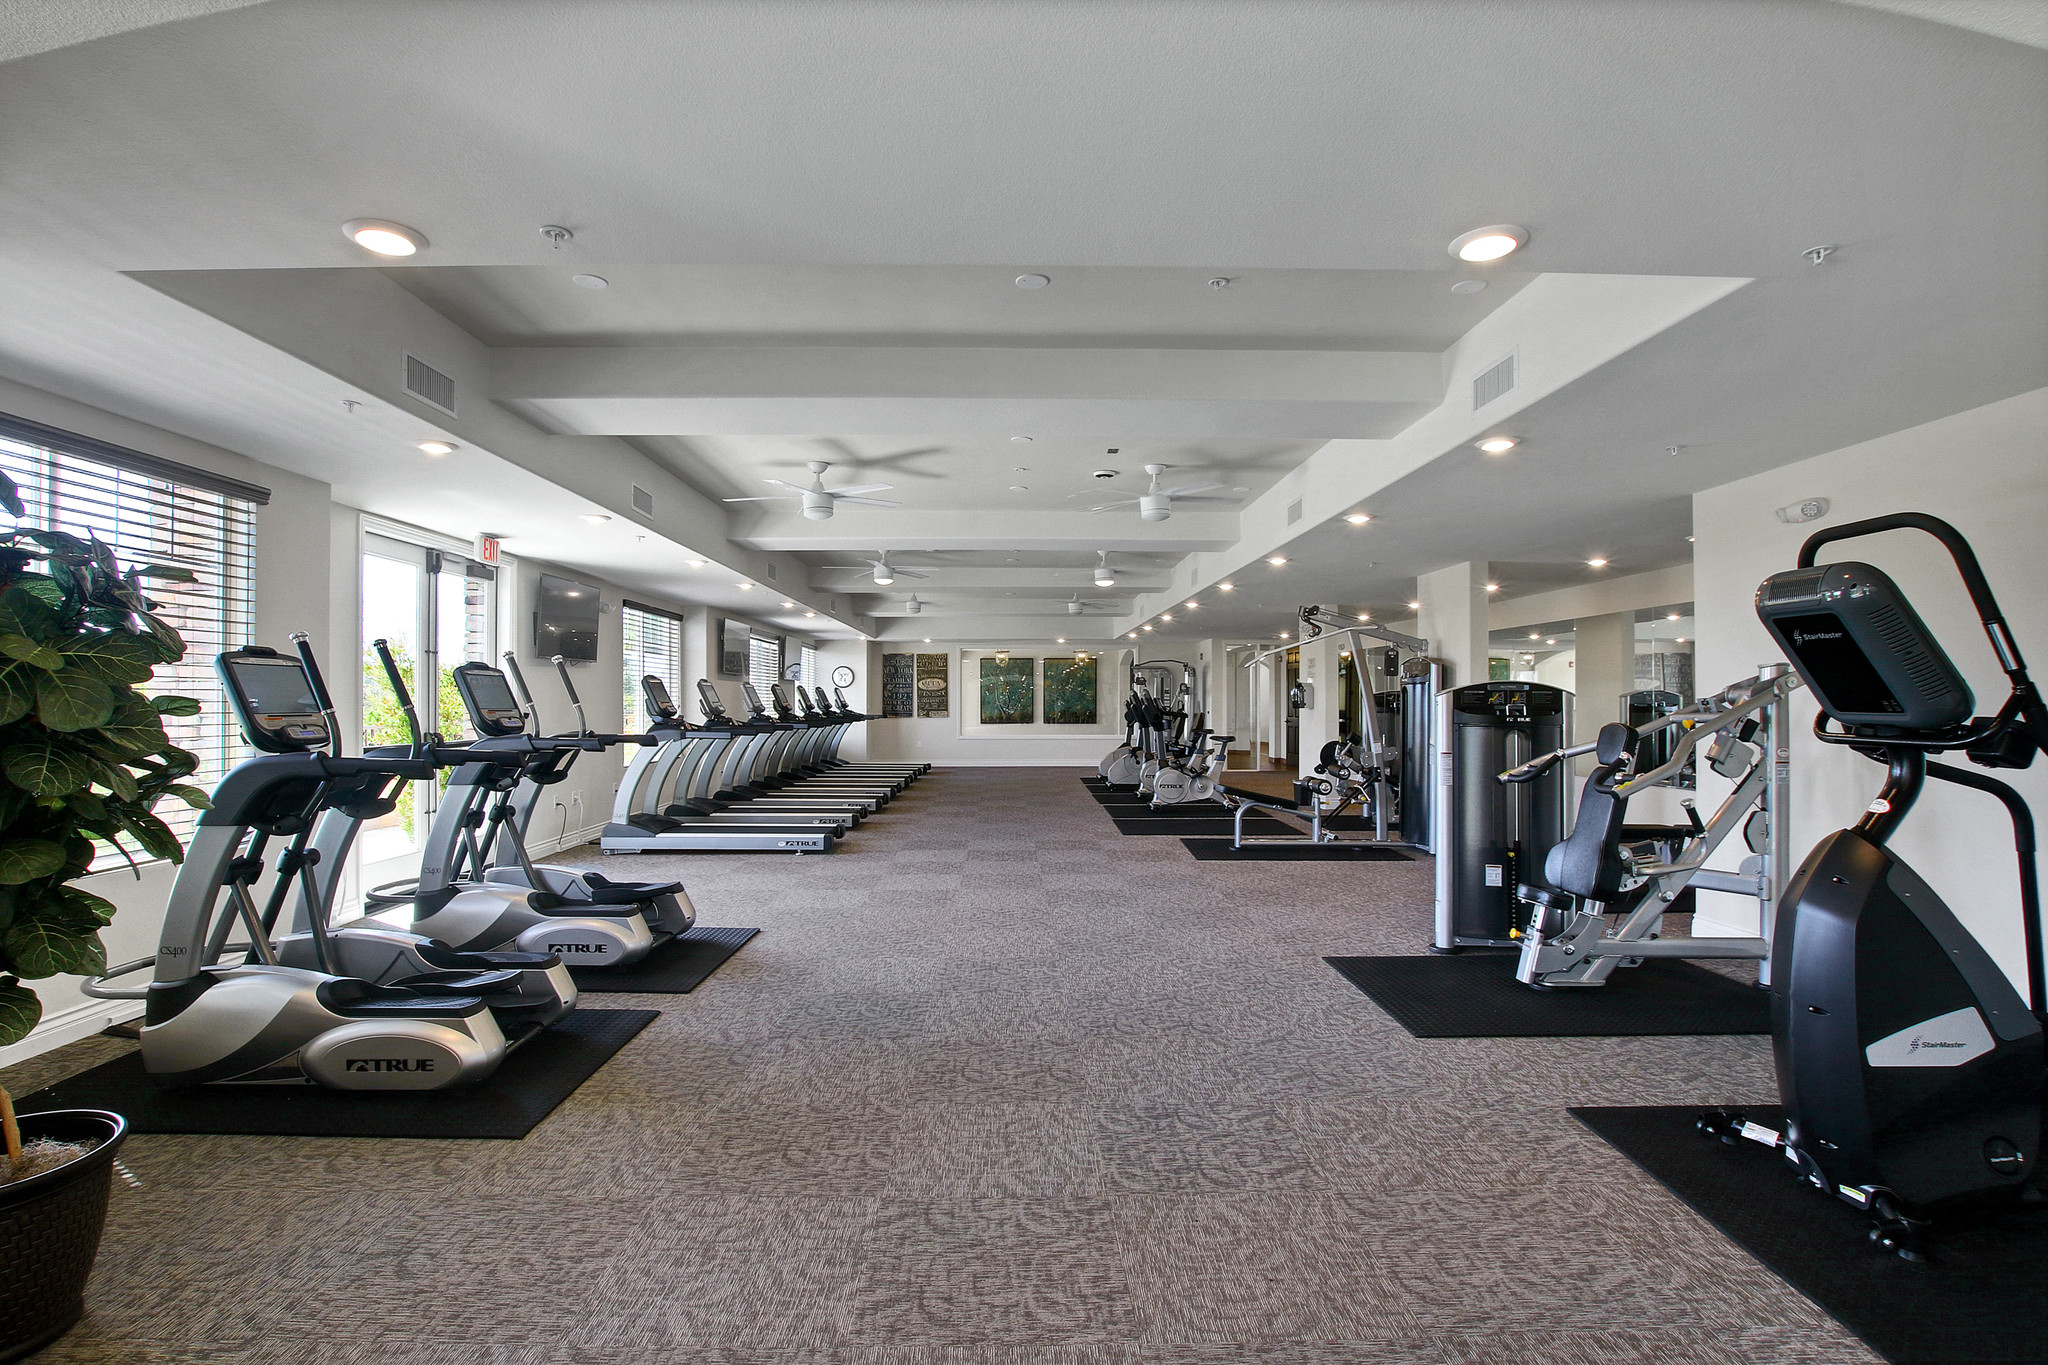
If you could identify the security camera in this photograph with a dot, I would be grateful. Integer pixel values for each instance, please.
(1813, 509)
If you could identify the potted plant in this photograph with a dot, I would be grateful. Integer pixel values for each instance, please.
(83, 761)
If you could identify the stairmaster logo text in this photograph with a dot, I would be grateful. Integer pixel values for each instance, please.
(1919, 1042)
(391, 1064)
(1800, 637)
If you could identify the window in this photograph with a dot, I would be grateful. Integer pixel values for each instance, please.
(654, 644)
(764, 663)
(809, 660)
(151, 511)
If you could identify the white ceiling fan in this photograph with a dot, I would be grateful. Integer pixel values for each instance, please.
(819, 501)
(912, 605)
(887, 573)
(1076, 606)
(1156, 503)
(1105, 577)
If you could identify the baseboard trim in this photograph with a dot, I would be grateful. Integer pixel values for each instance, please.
(82, 1020)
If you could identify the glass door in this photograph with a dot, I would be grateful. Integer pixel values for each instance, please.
(435, 611)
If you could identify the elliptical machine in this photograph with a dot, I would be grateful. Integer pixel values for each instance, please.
(1910, 1070)
(257, 1021)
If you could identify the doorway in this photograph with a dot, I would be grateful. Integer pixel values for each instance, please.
(435, 610)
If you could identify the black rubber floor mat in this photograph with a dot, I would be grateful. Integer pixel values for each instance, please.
(675, 968)
(1144, 810)
(1982, 1298)
(1220, 851)
(507, 1104)
(1214, 825)
(1475, 995)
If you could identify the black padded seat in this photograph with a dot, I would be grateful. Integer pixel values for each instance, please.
(1588, 863)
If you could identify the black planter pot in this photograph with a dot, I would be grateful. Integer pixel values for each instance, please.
(50, 1228)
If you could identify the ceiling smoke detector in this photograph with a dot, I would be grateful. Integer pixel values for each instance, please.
(1106, 473)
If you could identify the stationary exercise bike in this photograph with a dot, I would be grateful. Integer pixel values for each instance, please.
(1910, 1070)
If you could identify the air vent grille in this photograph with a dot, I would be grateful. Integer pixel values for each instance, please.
(768, 572)
(1493, 383)
(429, 385)
(643, 501)
(1899, 637)
(1294, 511)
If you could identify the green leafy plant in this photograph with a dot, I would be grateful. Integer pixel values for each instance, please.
(83, 754)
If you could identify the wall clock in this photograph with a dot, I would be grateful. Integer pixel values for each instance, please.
(842, 676)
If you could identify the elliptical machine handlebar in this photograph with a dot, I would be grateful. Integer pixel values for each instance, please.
(303, 642)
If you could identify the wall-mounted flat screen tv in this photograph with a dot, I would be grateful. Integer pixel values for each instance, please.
(566, 620)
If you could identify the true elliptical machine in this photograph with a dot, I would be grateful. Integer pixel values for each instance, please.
(590, 923)
(257, 1021)
(1910, 1071)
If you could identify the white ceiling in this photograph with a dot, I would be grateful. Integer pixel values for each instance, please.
(811, 216)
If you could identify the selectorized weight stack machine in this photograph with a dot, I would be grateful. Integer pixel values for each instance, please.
(1489, 837)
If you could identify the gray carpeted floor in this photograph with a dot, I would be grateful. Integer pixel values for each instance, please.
(997, 1084)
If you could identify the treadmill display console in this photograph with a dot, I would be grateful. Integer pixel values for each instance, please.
(273, 700)
(486, 694)
(658, 699)
(708, 698)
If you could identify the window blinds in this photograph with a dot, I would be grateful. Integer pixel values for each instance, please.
(151, 511)
(654, 644)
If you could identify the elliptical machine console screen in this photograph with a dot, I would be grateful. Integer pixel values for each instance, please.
(273, 699)
(487, 696)
(708, 698)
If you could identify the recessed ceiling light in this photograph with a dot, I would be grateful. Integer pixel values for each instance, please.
(596, 518)
(590, 282)
(1144, 627)
(1062, 640)
(1671, 616)
(789, 604)
(1690, 540)
(809, 615)
(1033, 281)
(694, 563)
(1020, 488)
(1681, 639)
(1358, 518)
(1550, 642)
(1277, 560)
(1284, 635)
(1496, 445)
(927, 639)
(1468, 286)
(1596, 563)
(1226, 587)
(744, 587)
(1193, 605)
(1493, 587)
(1365, 616)
(386, 239)
(1132, 636)
(1488, 243)
(1535, 634)
(1166, 616)
(1415, 606)
(438, 447)
(1021, 440)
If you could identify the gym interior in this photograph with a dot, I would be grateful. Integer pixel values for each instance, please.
(1099, 682)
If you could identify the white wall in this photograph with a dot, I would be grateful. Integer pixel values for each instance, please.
(292, 580)
(1986, 472)
(958, 740)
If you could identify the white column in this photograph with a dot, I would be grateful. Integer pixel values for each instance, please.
(1454, 620)
(1604, 667)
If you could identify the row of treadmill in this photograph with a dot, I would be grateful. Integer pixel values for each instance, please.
(255, 982)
